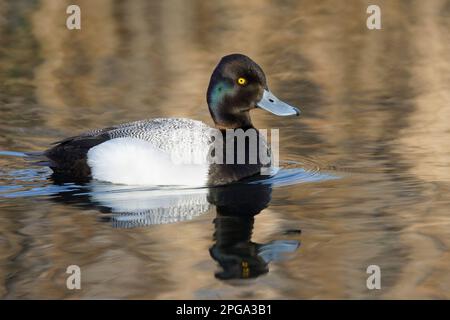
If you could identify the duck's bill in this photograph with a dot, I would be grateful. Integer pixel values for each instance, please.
(272, 104)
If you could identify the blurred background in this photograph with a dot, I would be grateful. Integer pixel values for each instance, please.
(376, 110)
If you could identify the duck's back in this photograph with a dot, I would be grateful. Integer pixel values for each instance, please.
(101, 150)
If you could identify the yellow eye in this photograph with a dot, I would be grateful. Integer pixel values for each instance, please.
(242, 81)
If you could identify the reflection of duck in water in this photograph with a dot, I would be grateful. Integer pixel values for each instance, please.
(126, 207)
(236, 207)
(233, 249)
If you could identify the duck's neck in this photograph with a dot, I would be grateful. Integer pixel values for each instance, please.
(230, 121)
(229, 117)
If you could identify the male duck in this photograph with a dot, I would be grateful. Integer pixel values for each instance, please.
(145, 152)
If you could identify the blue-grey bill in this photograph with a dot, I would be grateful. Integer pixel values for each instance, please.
(272, 104)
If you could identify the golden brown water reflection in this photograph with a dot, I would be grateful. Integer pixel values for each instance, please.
(375, 106)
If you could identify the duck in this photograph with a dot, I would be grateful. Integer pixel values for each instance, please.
(177, 151)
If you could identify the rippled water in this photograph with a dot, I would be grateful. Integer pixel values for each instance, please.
(364, 179)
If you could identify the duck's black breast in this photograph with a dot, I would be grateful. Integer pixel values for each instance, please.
(226, 173)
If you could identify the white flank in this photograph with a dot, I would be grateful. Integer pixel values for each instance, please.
(134, 161)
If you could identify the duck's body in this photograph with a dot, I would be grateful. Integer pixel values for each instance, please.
(172, 151)
(156, 151)
(162, 151)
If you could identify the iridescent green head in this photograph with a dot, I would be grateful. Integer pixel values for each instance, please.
(237, 86)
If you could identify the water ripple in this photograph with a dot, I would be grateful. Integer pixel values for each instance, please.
(32, 180)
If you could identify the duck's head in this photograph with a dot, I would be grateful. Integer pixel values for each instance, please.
(237, 86)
